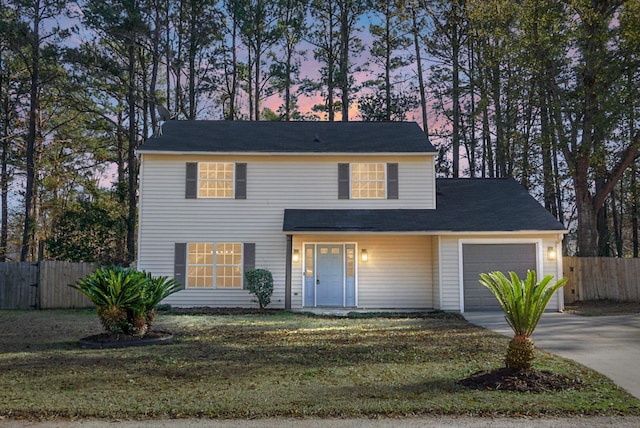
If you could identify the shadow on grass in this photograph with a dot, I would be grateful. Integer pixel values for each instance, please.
(202, 357)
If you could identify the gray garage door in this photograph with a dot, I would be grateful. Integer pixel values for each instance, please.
(484, 258)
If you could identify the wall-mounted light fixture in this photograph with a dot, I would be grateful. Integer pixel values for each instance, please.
(296, 256)
(364, 256)
(551, 253)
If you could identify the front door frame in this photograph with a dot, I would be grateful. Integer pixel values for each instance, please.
(345, 270)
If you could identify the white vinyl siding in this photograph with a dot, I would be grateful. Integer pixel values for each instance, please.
(435, 266)
(449, 274)
(274, 183)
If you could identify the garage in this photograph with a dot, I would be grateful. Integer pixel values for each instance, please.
(484, 258)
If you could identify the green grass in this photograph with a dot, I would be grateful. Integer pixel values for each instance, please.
(236, 366)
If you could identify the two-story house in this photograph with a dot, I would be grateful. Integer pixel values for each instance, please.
(344, 215)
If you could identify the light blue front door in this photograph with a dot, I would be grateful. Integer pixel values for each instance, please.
(330, 275)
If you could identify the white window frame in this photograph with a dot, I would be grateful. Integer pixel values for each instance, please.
(190, 279)
(217, 265)
(214, 266)
(383, 180)
(232, 180)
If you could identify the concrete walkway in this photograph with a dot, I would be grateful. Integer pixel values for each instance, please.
(609, 345)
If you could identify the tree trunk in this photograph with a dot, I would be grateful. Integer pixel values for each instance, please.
(519, 353)
(547, 161)
(471, 146)
(344, 58)
(121, 192)
(634, 210)
(501, 149)
(455, 96)
(131, 151)
(330, 75)
(193, 50)
(488, 159)
(168, 51)
(29, 193)
(618, 218)
(178, 61)
(155, 66)
(250, 82)
(421, 88)
(587, 219)
(234, 73)
(256, 101)
(4, 176)
(634, 170)
(287, 87)
(387, 59)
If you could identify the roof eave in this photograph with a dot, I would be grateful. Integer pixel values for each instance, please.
(427, 232)
(271, 153)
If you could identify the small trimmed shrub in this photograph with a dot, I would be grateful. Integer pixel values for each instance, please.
(260, 284)
(125, 298)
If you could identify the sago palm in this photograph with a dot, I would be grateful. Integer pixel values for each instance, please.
(523, 303)
(125, 298)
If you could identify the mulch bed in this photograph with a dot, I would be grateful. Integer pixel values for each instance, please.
(105, 340)
(528, 380)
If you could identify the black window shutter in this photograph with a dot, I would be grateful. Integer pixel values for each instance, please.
(241, 181)
(392, 181)
(249, 258)
(191, 187)
(343, 181)
(180, 263)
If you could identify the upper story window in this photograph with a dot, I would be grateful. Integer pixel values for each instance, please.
(368, 181)
(215, 179)
(222, 180)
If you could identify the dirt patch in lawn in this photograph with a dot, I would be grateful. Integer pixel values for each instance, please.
(528, 380)
(602, 308)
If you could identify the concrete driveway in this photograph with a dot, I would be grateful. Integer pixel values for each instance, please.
(609, 345)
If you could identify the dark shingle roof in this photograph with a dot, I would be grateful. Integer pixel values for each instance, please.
(479, 205)
(463, 205)
(289, 137)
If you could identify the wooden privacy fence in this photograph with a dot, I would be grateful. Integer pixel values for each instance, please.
(599, 278)
(42, 285)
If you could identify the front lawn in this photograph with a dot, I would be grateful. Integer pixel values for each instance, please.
(280, 364)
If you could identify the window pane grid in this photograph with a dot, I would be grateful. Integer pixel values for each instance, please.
(368, 181)
(200, 269)
(215, 180)
(229, 265)
(220, 270)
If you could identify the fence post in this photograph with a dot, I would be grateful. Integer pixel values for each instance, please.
(38, 285)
